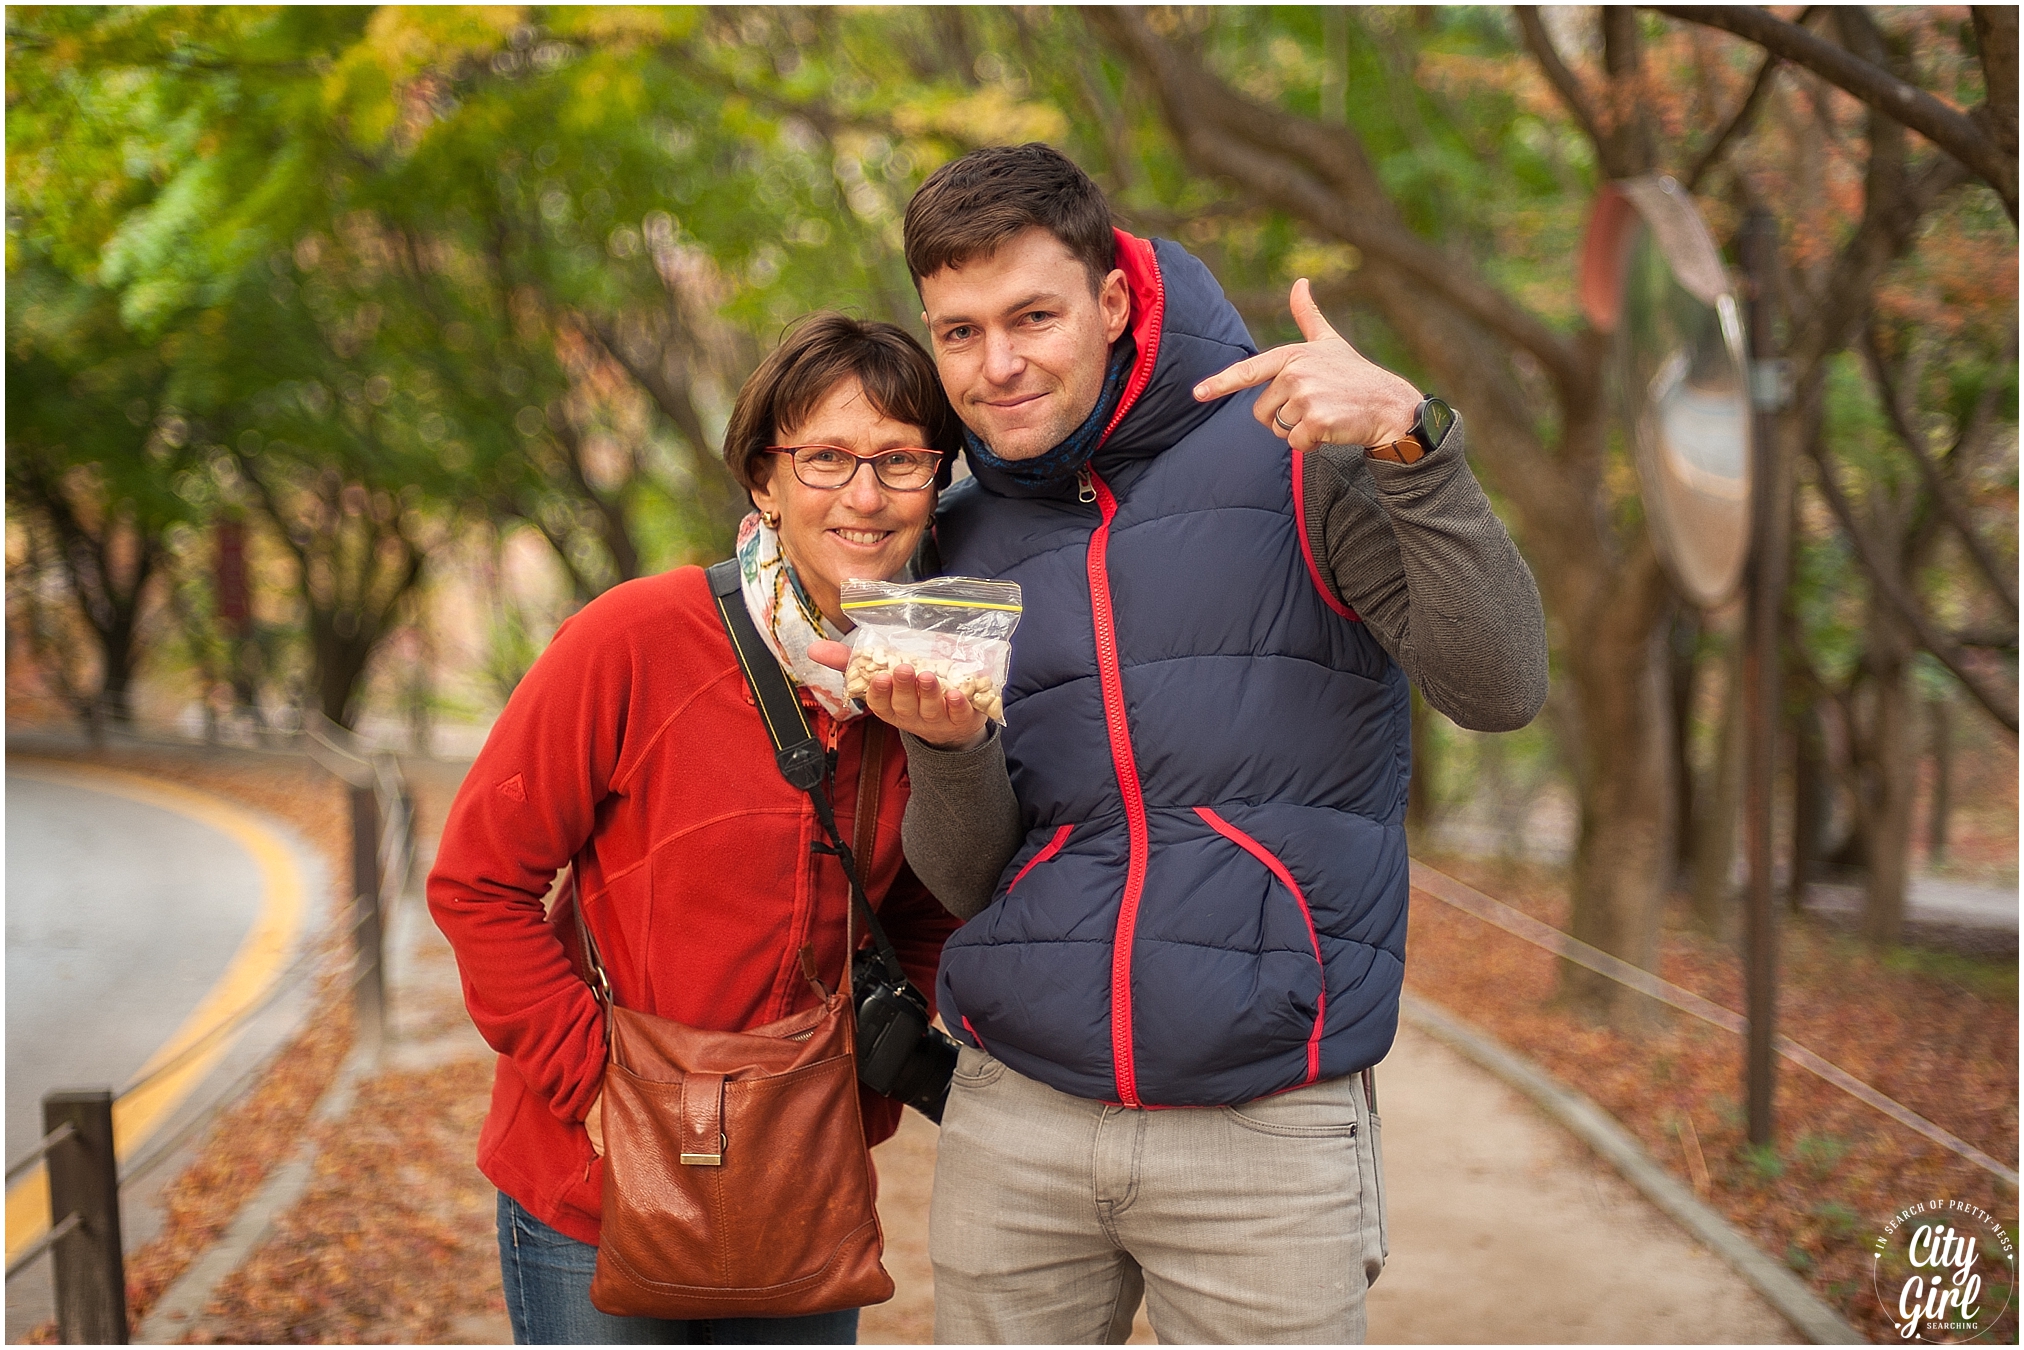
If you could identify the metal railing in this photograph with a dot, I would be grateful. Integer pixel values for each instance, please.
(77, 1148)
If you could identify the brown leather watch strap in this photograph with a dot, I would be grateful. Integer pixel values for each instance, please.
(1406, 450)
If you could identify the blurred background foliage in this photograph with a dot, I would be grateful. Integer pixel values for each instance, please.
(444, 308)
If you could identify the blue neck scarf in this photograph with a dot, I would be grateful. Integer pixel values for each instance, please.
(1066, 459)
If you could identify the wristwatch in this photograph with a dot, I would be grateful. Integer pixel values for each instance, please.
(1431, 421)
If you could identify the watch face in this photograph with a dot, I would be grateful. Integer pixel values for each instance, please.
(1435, 419)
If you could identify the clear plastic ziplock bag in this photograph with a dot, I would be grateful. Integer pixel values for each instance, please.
(958, 627)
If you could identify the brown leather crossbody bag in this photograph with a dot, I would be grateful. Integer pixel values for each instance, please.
(736, 1178)
(737, 1182)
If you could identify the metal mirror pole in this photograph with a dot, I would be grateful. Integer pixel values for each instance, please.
(1758, 246)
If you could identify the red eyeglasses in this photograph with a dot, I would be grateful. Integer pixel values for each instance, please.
(904, 469)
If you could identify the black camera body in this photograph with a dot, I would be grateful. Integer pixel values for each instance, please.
(899, 1054)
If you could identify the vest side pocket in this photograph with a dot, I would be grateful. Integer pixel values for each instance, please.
(1285, 878)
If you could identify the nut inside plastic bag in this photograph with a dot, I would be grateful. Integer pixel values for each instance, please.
(958, 627)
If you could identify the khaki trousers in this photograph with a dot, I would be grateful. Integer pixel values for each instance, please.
(1052, 1215)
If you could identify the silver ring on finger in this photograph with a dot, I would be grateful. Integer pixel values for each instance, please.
(1281, 424)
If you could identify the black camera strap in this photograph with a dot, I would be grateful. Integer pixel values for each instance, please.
(801, 758)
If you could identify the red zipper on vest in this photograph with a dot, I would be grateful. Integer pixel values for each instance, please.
(1110, 678)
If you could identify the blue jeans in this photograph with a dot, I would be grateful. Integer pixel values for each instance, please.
(547, 1278)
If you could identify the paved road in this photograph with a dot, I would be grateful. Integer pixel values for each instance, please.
(129, 912)
(120, 916)
(1932, 900)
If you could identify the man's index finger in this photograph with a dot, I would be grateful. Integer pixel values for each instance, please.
(1252, 370)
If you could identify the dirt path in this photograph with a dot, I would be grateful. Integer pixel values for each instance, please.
(1503, 1228)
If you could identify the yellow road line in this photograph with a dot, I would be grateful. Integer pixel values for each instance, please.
(253, 969)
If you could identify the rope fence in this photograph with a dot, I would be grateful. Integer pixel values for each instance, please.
(62, 1134)
(1471, 901)
(62, 1230)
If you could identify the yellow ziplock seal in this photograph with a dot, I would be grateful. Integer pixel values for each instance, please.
(927, 600)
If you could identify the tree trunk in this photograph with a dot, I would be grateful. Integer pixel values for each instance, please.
(1889, 775)
(108, 593)
(1491, 789)
(1811, 803)
(419, 694)
(1684, 654)
(1719, 815)
(120, 638)
(340, 666)
(1624, 858)
(1943, 782)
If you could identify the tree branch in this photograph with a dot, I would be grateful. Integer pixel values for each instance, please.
(613, 527)
(1891, 214)
(1260, 307)
(1944, 495)
(81, 554)
(1996, 41)
(272, 506)
(1632, 149)
(1564, 81)
(1745, 114)
(1316, 172)
(585, 586)
(672, 396)
(47, 647)
(1959, 134)
(1891, 588)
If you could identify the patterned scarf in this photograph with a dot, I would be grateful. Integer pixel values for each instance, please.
(787, 619)
(1066, 459)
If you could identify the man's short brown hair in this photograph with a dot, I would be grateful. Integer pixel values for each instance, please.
(972, 206)
(820, 352)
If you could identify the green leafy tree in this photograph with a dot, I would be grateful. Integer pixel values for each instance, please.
(92, 443)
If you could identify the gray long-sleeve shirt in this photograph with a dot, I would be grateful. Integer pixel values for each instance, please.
(1414, 549)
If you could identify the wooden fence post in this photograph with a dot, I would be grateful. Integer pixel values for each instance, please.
(89, 1267)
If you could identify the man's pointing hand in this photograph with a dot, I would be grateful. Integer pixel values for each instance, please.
(1321, 391)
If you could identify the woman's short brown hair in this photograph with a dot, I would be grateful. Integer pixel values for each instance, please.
(815, 355)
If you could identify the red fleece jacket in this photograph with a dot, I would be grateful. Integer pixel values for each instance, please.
(633, 751)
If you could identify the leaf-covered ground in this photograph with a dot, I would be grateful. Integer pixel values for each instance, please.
(1935, 1032)
(393, 1242)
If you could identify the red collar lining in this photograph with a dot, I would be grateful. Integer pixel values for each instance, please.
(1142, 279)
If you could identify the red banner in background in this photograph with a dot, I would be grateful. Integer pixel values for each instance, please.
(235, 608)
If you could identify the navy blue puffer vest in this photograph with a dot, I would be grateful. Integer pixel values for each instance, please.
(1211, 755)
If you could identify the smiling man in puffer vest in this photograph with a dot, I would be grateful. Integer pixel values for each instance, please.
(1183, 863)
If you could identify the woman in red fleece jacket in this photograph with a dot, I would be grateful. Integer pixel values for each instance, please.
(633, 754)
